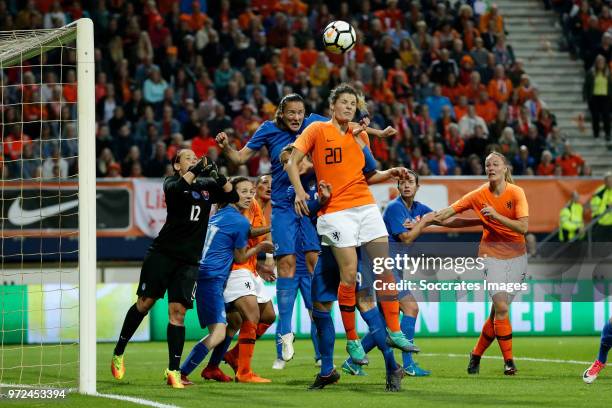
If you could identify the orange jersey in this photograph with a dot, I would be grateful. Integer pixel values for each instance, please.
(497, 241)
(256, 218)
(338, 160)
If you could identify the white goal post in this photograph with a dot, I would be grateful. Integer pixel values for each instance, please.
(16, 49)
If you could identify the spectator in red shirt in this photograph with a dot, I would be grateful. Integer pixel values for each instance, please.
(203, 141)
(570, 162)
(546, 166)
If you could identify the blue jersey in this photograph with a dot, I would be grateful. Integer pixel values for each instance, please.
(396, 214)
(274, 139)
(227, 230)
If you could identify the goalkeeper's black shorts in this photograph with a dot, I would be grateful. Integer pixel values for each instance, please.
(161, 273)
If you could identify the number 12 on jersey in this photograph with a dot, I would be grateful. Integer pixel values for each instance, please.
(195, 213)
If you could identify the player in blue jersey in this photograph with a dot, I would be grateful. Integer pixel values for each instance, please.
(225, 243)
(400, 215)
(287, 227)
(605, 345)
(287, 288)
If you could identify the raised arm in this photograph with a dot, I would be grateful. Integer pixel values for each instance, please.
(237, 157)
(378, 176)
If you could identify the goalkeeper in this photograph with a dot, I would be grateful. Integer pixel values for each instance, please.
(171, 263)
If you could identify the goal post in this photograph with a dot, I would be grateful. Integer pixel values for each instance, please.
(48, 288)
(86, 120)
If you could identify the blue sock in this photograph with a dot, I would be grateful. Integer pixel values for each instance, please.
(218, 352)
(195, 357)
(279, 347)
(378, 336)
(315, 340)
(327, 337)
(286, 293)
(407, 324)
(606, 342)
(368, 342)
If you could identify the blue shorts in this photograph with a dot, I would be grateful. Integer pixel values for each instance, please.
(209, 301)
(326, 278)
(398, 277)
(288, 227)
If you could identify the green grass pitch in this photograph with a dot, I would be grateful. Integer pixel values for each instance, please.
(555, 383)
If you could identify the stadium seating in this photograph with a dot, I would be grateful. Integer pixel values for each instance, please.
(173, 74)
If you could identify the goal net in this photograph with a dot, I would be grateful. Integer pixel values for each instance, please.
(47, 208)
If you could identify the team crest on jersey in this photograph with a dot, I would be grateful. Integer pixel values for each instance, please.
(195, 195)
(336, 236)
(205, 195)
(248, 285)
(509, 204)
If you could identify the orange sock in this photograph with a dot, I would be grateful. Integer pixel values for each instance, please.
(391, 309)
(261, 329)
(503, 332)
(246, 346)
(487, 335)
(347, 300)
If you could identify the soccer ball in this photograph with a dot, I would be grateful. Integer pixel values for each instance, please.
(339, 37)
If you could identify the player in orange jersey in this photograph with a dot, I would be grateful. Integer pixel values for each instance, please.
(502, 207)
(350, 218)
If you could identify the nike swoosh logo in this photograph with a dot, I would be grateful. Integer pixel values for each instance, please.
(329, 140)
(20, 217)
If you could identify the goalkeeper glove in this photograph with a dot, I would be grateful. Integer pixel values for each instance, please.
(199, 167)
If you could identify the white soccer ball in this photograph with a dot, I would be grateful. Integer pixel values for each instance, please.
(339, 37)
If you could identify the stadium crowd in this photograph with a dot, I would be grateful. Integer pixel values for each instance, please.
(587, 34)
(175, 73)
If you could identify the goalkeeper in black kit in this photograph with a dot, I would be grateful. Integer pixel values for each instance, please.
(171, 263)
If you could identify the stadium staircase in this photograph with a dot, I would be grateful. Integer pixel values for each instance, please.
(535, 34)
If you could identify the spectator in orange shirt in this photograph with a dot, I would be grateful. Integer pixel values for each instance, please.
(474, 88)
(70, 87)
(461, 108)
(470, 34)
(288, 51)
(500, 87)
(268, 71)
(308, 56)
(196, 19)
(293, 69)
(358, 53)
(492, 15)
(378, 89)
(486, 108)
(397, 70)
(451, 88)
(546, 166)
(571, 163)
